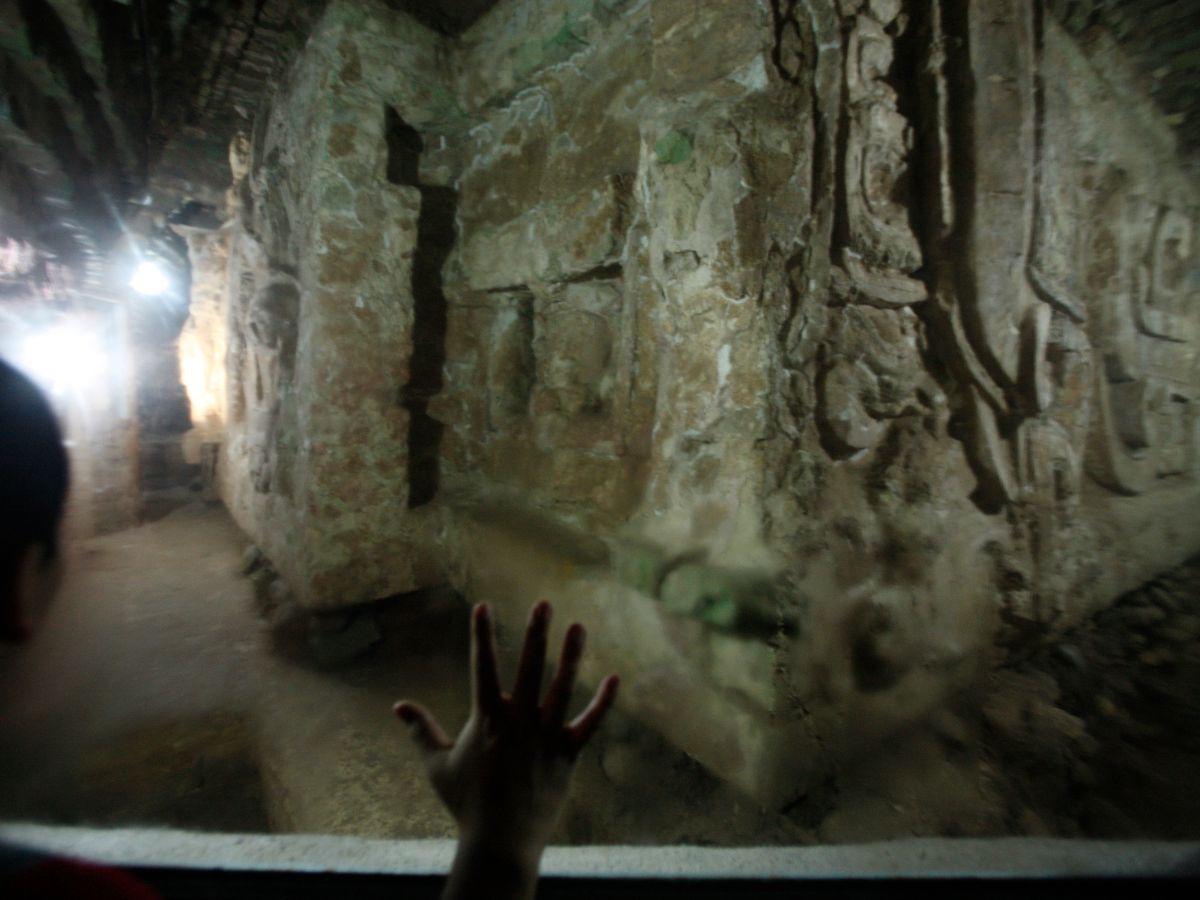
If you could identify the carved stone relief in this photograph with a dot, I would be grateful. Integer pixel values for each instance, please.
(1006, 308)
(879, 251)
(1058, 294)
(1146, 428)
(574, 350)
(868, 373)
(510, 366)
(868, 362)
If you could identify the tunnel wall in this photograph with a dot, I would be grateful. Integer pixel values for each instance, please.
(304, 300)
(816, 355)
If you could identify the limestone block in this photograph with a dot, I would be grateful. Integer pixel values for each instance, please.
(736, 39)
(560, 238)
(745, 666)
(355, 338)
(601, 486)
(665, 663)
(576, 330)
(510, 360)
(518, 44)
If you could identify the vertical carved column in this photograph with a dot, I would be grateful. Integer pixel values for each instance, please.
(879, 250)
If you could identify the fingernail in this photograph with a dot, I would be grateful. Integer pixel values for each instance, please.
(404, 712)
(482, 612)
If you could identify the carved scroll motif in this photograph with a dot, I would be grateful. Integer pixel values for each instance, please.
(880, 251)
(876, 250)
(1145, 391)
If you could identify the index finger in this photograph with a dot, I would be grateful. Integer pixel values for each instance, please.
(486, 681)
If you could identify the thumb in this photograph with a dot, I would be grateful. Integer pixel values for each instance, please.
(423, 726)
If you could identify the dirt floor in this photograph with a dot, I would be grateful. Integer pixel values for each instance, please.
(1091, 733)
(167, 687)
(161, 690)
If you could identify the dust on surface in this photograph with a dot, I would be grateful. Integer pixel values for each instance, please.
(157, 693)
(1091, 733)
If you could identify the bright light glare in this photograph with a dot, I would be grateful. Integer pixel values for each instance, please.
(149, 279)
(62, 359)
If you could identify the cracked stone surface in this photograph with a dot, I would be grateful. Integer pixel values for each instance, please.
(872, 324)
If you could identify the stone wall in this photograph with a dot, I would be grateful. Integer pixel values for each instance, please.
(816, 355)
(310, 277)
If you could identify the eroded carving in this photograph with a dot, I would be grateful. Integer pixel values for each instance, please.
(868, 363)
(576, 341)
(868, 374)
(510, 366)
(879, 251)
(1140, 256)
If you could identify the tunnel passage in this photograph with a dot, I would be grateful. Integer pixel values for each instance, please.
(435, 239)
(853, 335)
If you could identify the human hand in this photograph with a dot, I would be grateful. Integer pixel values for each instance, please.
(505, 778)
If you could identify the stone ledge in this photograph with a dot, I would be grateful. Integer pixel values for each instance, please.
(916, 858)
(678, 675)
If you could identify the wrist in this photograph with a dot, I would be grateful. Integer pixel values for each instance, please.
(502, 847)
(494, 866)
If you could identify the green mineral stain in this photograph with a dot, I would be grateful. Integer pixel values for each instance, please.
(640, 565)
(349, 14)
(718, 609)
(14, 41)
(444, 107)
(556, 48)
(338, 196)
(734, 601)
(578, 9)
(563, 43)
(529, 57)
(672, 148)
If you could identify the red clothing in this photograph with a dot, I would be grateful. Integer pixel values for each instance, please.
(62, 878)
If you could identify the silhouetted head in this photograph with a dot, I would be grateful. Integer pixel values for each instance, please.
(33, 487)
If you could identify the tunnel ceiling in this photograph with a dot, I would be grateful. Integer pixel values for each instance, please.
(108, 103)
(446, 16)
(112, 111)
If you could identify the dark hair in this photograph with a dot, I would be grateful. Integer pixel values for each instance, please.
(33, 469)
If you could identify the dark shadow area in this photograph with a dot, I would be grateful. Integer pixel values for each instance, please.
(38, 121)
(435, 239)
(50, 39)
(448, 18)
(128, 59)
(198, 773)
(187, 883)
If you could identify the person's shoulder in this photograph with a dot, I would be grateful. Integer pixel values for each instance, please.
(29, 875)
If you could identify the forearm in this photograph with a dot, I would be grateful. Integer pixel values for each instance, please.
(482, 870)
